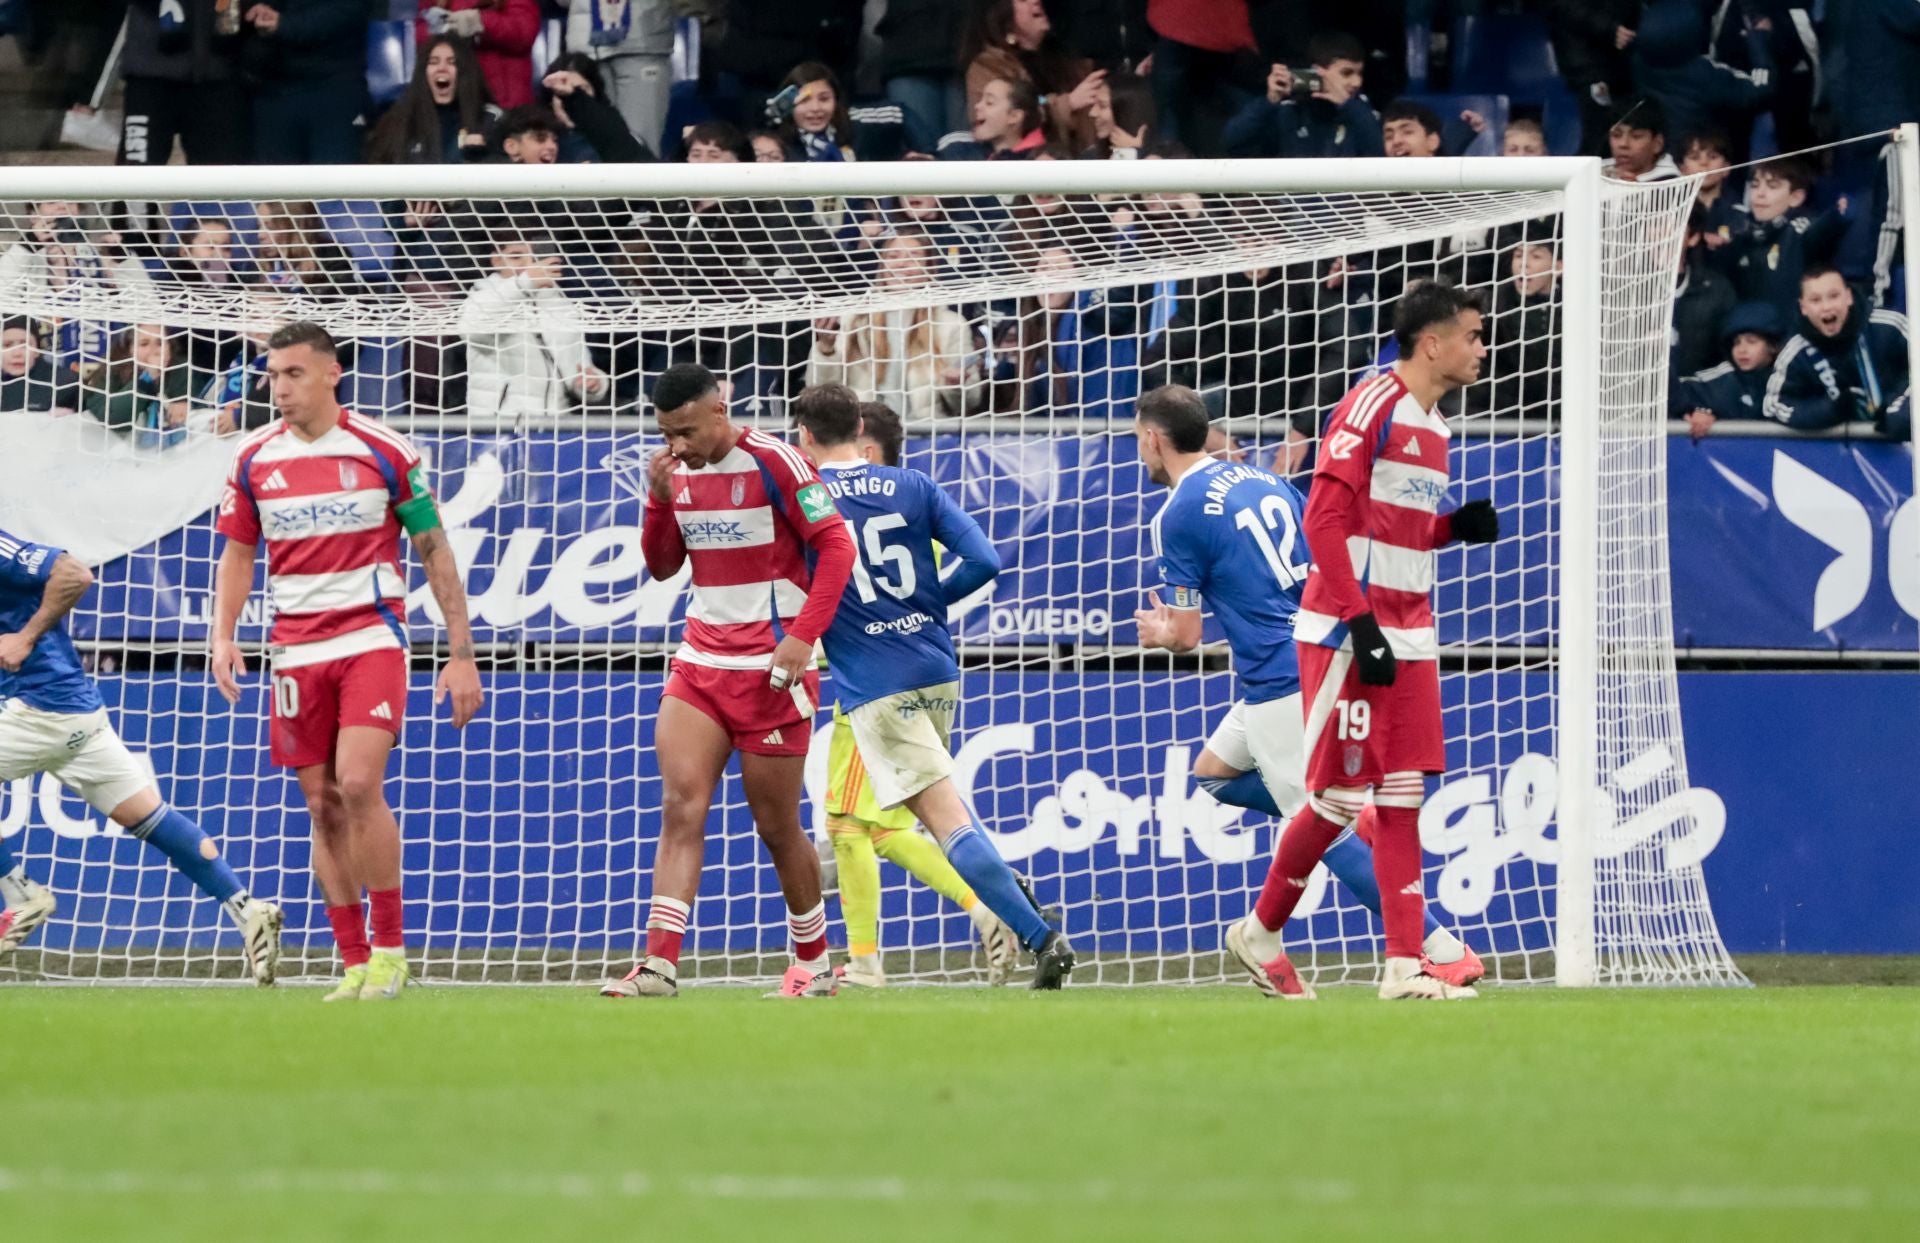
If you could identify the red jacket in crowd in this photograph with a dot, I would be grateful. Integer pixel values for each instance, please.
(504, 45)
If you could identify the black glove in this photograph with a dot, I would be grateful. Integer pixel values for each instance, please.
(1477, 522)
(1371, 654)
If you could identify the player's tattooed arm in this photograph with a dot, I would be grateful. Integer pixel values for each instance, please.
(66, 583)
(461, 676)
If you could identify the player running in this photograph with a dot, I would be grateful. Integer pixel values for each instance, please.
(894, 660)
(330, 492)
(862, 833)
(1368, 652)
(52, 721)
(750, 513)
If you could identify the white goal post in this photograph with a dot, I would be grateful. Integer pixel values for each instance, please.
(1565, 645)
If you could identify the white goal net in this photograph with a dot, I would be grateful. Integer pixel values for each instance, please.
(511, 322)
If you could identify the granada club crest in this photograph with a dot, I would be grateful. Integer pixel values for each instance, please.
(739, 493)
(1351, 760)
(349, 476)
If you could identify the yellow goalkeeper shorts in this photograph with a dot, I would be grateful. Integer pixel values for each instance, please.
(849, 793)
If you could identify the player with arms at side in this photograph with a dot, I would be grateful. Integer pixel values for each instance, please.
(894, 661)
(1369, 656)
(330, 492)
(861, 832)
(1230, 535)
(750, 513)
(52, 721)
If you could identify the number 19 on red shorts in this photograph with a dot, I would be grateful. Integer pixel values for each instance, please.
(1357, 734)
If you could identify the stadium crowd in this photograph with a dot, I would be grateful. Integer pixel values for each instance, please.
(1787, 302)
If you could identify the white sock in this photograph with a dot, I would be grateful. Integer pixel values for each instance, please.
(236, 908)
(809, 926)
(1443, 946)
(13, 887)
(1262, 940)
(660, 966)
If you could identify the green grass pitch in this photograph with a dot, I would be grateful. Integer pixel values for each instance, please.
(933, 1114)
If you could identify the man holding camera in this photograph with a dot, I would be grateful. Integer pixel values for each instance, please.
(1319, 112)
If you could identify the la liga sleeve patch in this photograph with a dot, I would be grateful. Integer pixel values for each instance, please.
(815, 503)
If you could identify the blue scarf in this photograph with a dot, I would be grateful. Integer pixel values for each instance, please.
(821, 148)
(611, 21)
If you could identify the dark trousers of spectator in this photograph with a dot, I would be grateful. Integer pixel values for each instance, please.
(310, 122)
(1194, 94)
(935, 104)
(209, 118)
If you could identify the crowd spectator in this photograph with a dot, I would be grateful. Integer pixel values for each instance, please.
(182, 73)
(819, 126)
(632, 43)
(501, 34)
(1591, 39)
(1524, 139)
(308, 59)
(919, 360)
(1331, 119)
(1707, 154)
(525, 373)
(1006, 124)
(1846, 364)
(528, 134)
(1013, 42)
(1637, 140)
(1410, 129)
(143, 390)
(916, 67)
(1776, 239)
(761, 40)
(1523, 333)
(295, 252)
(443, 116)
(1199, 52)
(1736, 388)
(60, 251)
(241, 392)
(591, 129)
(28, 380)
(1794, 52)
(1673, 64)
(1703, 298)
(767, 147)
(1122, 119)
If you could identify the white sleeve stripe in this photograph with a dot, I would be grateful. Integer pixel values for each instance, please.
(1771, 405)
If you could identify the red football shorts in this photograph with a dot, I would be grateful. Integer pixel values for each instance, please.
(1357, 734)
(313, 703)
(759, 719)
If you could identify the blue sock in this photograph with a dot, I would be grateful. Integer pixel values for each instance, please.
(1351, 862)
(1246, 790)
(181, 840)
(981, 866)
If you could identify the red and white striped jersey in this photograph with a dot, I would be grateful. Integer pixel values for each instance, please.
(746, 522)
(1373, 539)
(330, 512)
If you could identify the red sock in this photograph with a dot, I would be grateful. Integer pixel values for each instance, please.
(1302, 843)
(1396, 866)
(350, 933)
(809, 932)
(666, 928)
(388, 923)
(1366, 823)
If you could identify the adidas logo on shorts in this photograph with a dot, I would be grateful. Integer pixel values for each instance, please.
(382, 711)
(772, 740)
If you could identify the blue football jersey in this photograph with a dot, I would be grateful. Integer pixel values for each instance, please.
(50, 679)
(890, 634)
(1230, 535)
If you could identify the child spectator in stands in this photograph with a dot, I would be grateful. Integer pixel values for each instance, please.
(59, 250)
(519, 372)
(1410, 130)
(1012, 41)
(1122, 118)
(820, 127)
(528, 134)
(1333, 120)
(1737, 388)
(1846, 364)
(918, 360)
(1706, 155)
(29, 381)
(1525, 139)
(1638, 141)
(308, 60)
(592, 130)
(1523, 337)
(206, 254)
(1671, 64)
(767, 147)
(631, 42)
(1775, 239)
(501, 33)
(443, 116)
(1006, 124)
(142, 392)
